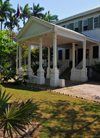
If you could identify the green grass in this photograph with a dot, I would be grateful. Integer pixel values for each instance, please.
(60, 116)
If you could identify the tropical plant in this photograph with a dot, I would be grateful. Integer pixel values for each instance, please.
(50, 18)
(25, 13)
(7, 49)
(37, 11)
(13, 21)
(96, 68)
(5, 8)
(14, 116)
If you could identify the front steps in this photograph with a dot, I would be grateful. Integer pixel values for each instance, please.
(66, 74)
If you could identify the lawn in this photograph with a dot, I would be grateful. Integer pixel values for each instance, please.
(60, 116)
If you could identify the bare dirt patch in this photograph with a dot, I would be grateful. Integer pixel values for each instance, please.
(90, 91)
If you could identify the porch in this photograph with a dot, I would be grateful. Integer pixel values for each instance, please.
(44, 34)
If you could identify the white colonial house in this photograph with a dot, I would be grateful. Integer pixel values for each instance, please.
(76, 39)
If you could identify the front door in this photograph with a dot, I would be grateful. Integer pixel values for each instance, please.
(80, 55)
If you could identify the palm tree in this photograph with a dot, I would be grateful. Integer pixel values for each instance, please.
(50, 18)
(25, 13)
(12, 21)
(5, 8)
(37, 11)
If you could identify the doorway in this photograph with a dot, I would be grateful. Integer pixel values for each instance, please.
(80, 55)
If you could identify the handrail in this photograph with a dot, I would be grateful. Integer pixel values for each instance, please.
(79, 66)
(63, 67)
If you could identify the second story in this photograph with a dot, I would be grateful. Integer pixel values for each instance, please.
(87, 23)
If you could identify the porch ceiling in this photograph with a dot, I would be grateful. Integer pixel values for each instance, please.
(47, 41)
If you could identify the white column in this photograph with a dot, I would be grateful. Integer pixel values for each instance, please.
(63, 55)
(90, 59)
(20, 60)
(84, 54)
(29, 55)
(54, 79)
(84, 69)
(17, 59)
(54, 51)
(73, 47)
(73, 77)
(57, 53)
(48, 69)
(40, 71)
(20, 56)
(40, 53)
(29, 70)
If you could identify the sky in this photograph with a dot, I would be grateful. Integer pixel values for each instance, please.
(62, 8)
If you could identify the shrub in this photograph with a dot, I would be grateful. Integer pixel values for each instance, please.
(14, 116)
(96, 68)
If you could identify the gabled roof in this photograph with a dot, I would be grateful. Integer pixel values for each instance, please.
(35, 26)
(91, 11)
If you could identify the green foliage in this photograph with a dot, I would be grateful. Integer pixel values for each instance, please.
(7, 75)
(34, 68)
(5, 8)
(7, 50)
(13, 21)
(50, 18)
(37, 11)
(3, 102)
(18, 79)
(35, 55)
(15, 115)
(25, 13)
(96, 67)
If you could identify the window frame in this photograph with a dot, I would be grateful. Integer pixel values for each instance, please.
(76, 27)
(94, 23)
(84, 25)
(93, 56)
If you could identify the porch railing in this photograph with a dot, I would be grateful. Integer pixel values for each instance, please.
(63, 67)
(80, 65)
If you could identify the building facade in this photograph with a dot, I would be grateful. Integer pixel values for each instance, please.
(88, 24)
(74, 39)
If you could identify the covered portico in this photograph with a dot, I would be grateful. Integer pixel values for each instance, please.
(44, 34)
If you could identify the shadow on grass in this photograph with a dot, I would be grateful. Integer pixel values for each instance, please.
(63, 119)
(19, 87)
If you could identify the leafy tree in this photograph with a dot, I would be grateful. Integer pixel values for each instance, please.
(7, 49)
(4, 41)
(35, 55)
(25, 13)
(50, 18)
(37, 11)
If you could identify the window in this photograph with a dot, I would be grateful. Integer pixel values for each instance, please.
(96, 22)
(63, 25)
(76, 26)
(85, 25)
(68, 26)
(67, 54)
(60, 54)
(95, 51)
